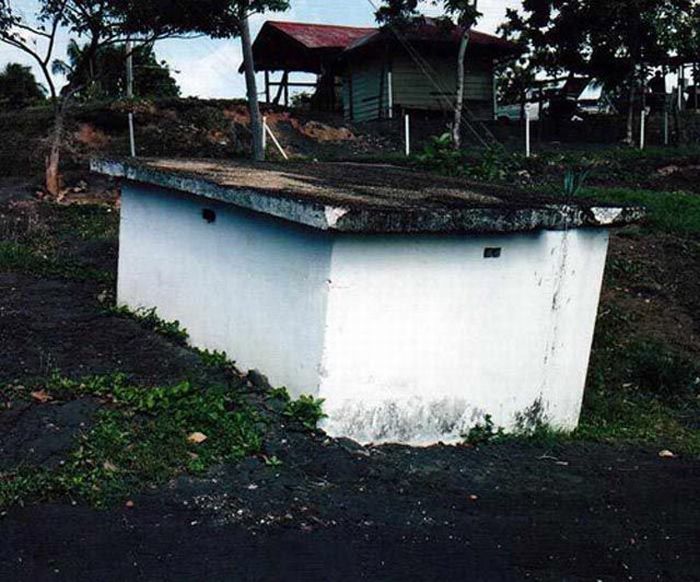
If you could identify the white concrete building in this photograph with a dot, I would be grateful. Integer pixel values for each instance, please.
(414, 305)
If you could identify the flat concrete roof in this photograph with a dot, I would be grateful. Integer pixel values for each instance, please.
(349, 197)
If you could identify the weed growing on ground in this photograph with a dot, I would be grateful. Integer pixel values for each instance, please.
(142, 438)
(307, 410)
(574, 181)
(215, 359)
(149, 319)
(483, 432)
(537, 431)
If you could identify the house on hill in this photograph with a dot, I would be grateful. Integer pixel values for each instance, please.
(373, 74)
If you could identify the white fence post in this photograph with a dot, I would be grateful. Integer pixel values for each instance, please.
(264, 136)
(528, 150)
(407, 132)
(642, 129)
(278, 145)
(390, 94)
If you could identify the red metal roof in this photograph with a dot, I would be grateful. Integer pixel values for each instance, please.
(316, 36)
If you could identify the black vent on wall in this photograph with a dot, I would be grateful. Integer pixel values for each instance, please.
(209, 215)
(492, 253)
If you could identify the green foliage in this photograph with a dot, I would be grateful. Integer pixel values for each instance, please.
(139, 440)
(18, 87)
(307, 410)
(149, 319)
(215, 359)
(440, 156)
(404, 13)
(674, 212)
(279, 394)
(398, 13)
(490, 165)
(606, 40)
(104, 78)
(493, 165)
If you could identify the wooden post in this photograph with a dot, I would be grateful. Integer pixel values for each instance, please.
(286, 89)
(267, 87)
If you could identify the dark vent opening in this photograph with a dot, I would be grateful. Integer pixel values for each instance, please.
(209, 215)
(492, 252)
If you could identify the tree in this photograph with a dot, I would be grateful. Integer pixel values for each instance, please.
(18, 87)
(616, 41)
(402, 14)
(104, 77)
(105, 23)
(515, 79)
(464, 14)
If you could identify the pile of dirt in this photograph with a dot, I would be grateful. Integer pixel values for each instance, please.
(218, 129)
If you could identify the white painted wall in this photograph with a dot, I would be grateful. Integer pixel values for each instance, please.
(425, 336)
(408, 338)
(248, 285)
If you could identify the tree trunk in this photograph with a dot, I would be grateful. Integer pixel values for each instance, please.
(53, 159)
(256, 123)
(459, 106)
(629, 139)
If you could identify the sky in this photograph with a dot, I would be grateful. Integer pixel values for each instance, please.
(209, 68)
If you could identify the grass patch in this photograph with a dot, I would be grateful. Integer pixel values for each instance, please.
(673, 212)
(20, 258)
(41, 240)
(639, 390)
(84, 221)
(142, 438)
(621, 416)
